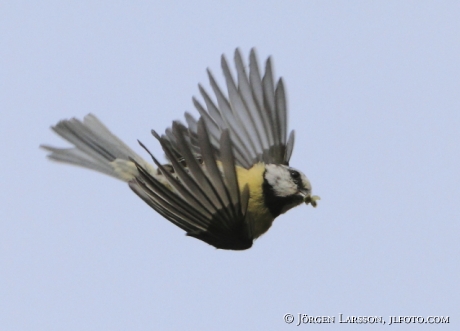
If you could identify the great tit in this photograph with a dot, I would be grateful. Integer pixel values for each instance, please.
(228, 175)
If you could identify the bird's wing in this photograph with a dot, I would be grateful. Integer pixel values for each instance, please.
(202, 199)
(254, 111)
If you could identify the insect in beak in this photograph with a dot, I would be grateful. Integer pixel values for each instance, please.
(312, 200)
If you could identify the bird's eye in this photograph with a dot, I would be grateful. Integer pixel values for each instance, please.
(295, 174)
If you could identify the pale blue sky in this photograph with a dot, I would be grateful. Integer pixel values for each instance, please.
(373, 93)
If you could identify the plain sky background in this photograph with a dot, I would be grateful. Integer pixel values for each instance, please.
(373, 94)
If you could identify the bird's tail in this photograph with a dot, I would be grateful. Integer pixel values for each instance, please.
(96, 148)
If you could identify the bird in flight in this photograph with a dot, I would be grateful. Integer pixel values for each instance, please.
(228, 175)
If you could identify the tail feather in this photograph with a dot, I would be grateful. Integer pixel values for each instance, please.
(77, 157)
(95, 148)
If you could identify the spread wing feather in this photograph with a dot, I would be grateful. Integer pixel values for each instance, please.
(202, 199)
(254, 113)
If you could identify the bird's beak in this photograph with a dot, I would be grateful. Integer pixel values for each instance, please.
(312, 199)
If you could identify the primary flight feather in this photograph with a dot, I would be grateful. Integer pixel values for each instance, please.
(228, 175)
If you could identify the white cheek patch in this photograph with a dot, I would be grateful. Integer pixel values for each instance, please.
(280, 180)
(306, 182)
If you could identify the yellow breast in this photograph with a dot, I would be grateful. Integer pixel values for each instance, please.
(258, 213)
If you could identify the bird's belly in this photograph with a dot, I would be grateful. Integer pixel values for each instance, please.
(257, 213)
(260, 217)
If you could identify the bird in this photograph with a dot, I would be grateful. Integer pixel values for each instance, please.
(227, 175)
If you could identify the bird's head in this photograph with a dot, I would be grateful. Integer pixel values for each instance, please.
(285, 188)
